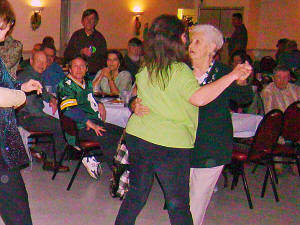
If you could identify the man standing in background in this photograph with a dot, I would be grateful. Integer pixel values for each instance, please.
(88, 42)
(239, 37)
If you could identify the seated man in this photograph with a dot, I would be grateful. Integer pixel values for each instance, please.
(31, 116)
(290, 57)
(76, 101)
(132, 58)
(26, 62)
(54, 73)
(280, 93)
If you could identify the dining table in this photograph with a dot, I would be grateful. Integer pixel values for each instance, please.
(244, 125)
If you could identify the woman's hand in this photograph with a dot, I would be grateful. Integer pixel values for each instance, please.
(98, 129)
(32, 85)
(107, 73)
(138, 108)
(242, 71)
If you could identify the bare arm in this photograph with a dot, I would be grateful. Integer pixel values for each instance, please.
(210, 92)
(11, 97)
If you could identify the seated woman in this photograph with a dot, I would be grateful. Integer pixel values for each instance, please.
(112, 79)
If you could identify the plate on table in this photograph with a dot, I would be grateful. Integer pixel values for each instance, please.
(116, 101)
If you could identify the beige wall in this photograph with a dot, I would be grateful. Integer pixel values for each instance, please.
(266, 20)
(248, 11)
(117, 20)
(50, 22)
(278, 19)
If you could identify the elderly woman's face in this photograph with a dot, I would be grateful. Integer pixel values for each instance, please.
(199, 46)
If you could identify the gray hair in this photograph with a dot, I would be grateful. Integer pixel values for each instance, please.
(210, 33)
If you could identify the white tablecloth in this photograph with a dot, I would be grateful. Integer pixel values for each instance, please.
(245, 125)
(116, 113)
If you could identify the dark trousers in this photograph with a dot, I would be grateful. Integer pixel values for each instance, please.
(14, 206)
(44, 123)
(172, 168)
(109, 141)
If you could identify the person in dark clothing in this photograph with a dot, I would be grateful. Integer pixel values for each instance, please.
(281, 47)
(32, 116)
(88, 42)
(132, 58)
(14, 205)
(239, 37)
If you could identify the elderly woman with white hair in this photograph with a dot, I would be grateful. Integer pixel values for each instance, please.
(213, 145)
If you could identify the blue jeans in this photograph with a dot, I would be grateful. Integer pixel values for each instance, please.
(172, 167)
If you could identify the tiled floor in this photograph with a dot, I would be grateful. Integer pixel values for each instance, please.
(89, 203)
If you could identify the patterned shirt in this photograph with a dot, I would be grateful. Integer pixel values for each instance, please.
(11, 52)
(122, 81)
(275, 98)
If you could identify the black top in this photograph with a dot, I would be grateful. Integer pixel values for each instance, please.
(12, 150)
(238, 38)
(95, 41)
(131, 66)
(213, 145)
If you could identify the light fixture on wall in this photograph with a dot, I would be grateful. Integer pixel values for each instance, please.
(36, 18)
(137, 24)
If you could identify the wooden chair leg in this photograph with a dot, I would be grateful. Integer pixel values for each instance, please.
(59, 163)
(53, 150)
(273, 183)
(254, 168)
(263, 191)
(246, 188)
(298, 165)
(76, 170)
(274, 171)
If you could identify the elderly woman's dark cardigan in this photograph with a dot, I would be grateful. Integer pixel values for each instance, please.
(213, 145)
(12, 151)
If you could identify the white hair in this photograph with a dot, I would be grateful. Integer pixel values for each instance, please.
(210, 33)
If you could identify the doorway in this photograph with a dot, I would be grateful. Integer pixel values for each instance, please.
(219, 17)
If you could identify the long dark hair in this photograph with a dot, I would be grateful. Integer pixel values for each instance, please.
(120, 57)
(163, 47)
(7, 14)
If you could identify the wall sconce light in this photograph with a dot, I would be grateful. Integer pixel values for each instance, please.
(137, 24)
(36, 18)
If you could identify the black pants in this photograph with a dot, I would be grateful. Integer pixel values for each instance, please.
(172, 168)
(109, 141)
(14, 206)
(44, 123)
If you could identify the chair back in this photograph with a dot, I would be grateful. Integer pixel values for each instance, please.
(68, 126)
(268, 131)
(291, 122)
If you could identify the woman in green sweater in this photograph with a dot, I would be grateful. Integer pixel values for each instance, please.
(160, 142)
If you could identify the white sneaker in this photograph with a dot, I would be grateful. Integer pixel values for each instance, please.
(93, 166)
